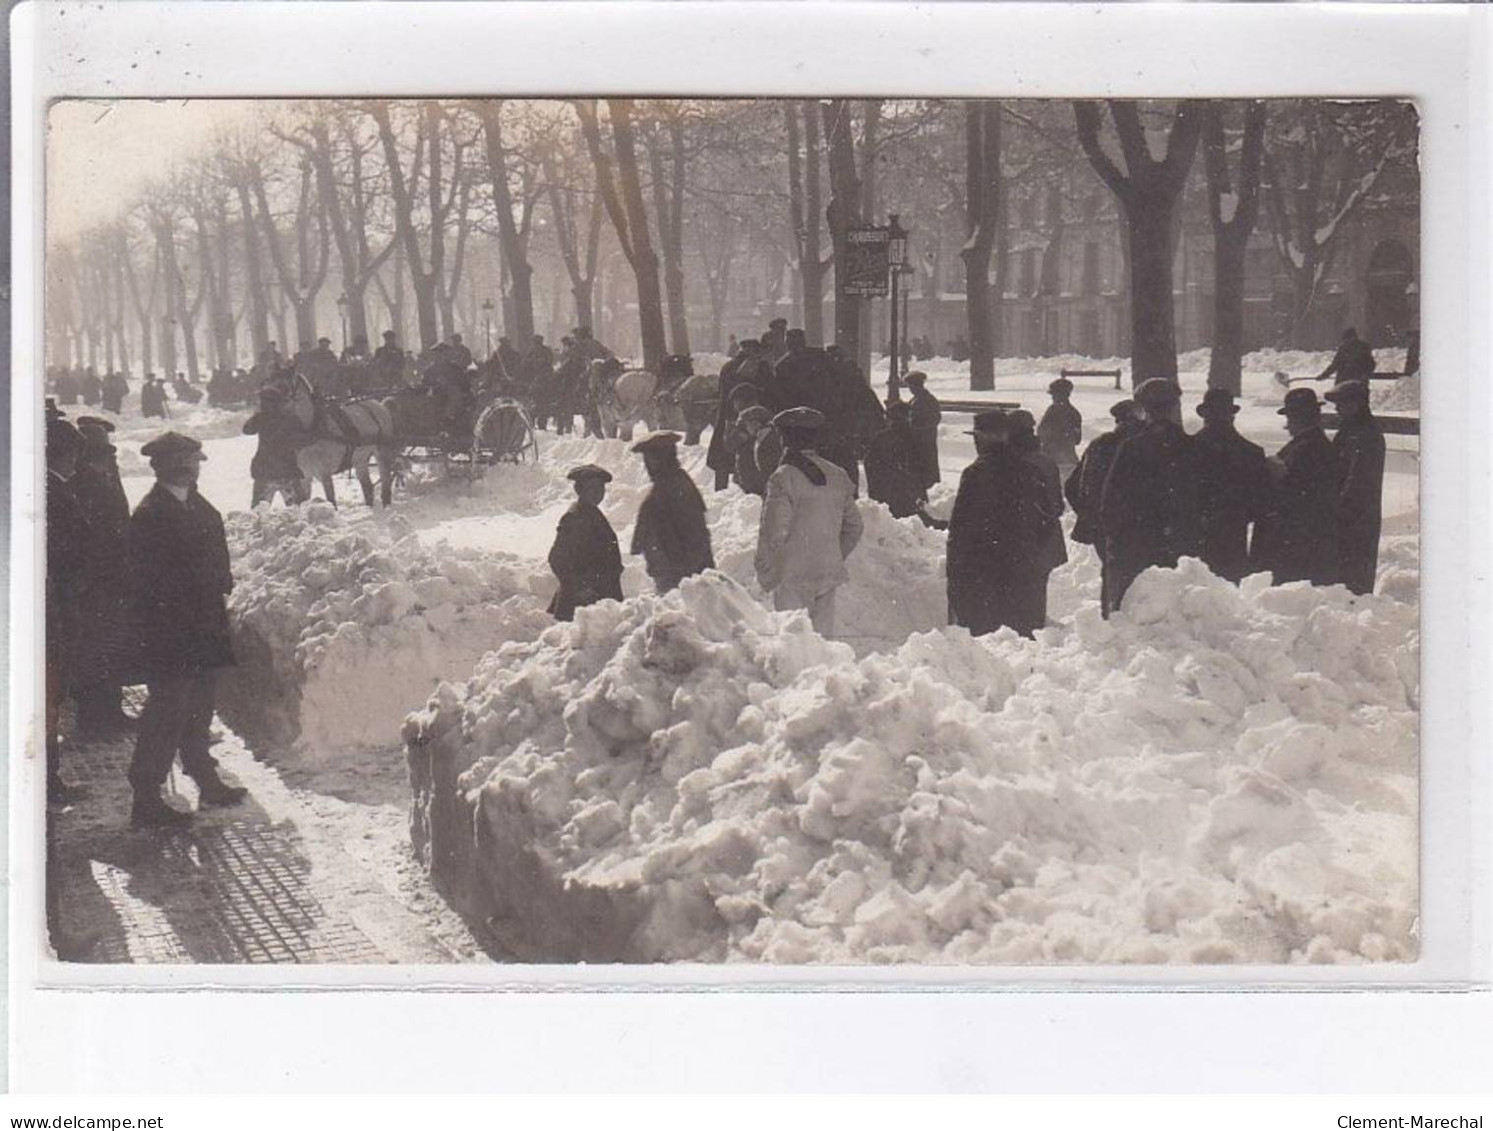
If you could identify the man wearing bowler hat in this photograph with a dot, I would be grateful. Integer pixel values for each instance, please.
(180, 579)
(1233, 486)
(1298, 540)
(1149, 510)
(809, 525)
(1359, 446)
(670, 531)
(585, 557)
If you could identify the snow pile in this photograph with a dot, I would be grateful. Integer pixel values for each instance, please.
(1400, 396)
(1216, 775)
(343, 627)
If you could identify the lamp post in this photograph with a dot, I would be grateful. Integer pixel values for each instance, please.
(342, 317)
(897, 258)
(487, 323)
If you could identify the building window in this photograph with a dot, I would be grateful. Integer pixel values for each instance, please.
(1091, 268)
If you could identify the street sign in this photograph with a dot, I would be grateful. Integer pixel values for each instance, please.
(867, 262)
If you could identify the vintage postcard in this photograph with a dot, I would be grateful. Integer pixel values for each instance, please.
(910, 531)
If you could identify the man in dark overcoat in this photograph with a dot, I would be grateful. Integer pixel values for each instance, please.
(116, 388)
(994, 535)
(1052, 549)
(1298, 540)
(91, 387)
(180, 579)
(670, 532)
(795, 380)
(387, 370)
(1359, 446)
(852, 413)
(67, 386)
(1084, 487)
(1234, 487)
(585, 556)
(718, 456)
(927, 414)
(1352, 361)
(105, 638)
(893, 468)
(1149, 512)
(275, 468)
(67, 539)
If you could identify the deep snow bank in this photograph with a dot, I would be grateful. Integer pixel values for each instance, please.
(1217, 775)
(342, 627)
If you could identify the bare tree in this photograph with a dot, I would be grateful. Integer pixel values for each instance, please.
(1321, 164)
(1233, 206)
(423, 277)
(512, 240)
(1148, 191)
(570, 207)
(805, 181)
(665, 139)
(622, 194)
(985, 215)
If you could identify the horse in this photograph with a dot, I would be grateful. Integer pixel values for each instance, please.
(342, 436)
(690, 408)
(622, 397)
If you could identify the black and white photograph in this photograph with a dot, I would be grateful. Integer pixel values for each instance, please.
(758, 531)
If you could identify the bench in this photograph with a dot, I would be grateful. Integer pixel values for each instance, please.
(1389, 425)
(972, 407)
(1116, 374)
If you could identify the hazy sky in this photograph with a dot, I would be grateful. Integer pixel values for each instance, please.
(100, 153)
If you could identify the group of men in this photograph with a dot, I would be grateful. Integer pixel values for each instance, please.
(1146, 494)
(134, 598)
(72, 387)
(1150, 493)
(780, 371)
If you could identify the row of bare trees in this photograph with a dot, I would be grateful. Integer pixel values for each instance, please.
(407, 210)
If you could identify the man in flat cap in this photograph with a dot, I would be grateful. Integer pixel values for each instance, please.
(1234, 488)
(1149, 510)
(926, 416)
(1298, 540)
(1084, 488)
(180, 578)
(105, 638)
(670, 531)
(995, 535)
(739, 372)
(1359, 447)
(1061, 429)
(809, 525)
(585, 556)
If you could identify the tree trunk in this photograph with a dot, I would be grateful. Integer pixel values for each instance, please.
(1231, 237)
(842, 214)
(645, 261)
(982, 150)
(1148, 193)
(1153, 334)
(259, 325)
(519, 299)
(868, 337)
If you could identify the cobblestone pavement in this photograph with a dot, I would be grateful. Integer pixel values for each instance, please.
(286, 877)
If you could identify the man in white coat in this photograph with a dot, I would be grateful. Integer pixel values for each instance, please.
(810, 524)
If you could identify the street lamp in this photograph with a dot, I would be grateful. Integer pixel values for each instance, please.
(342, 316)
(487, 307)
(896, 254)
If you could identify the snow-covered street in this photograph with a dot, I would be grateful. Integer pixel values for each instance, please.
(1216, 775)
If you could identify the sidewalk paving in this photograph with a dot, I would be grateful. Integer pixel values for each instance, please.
(289, 876)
